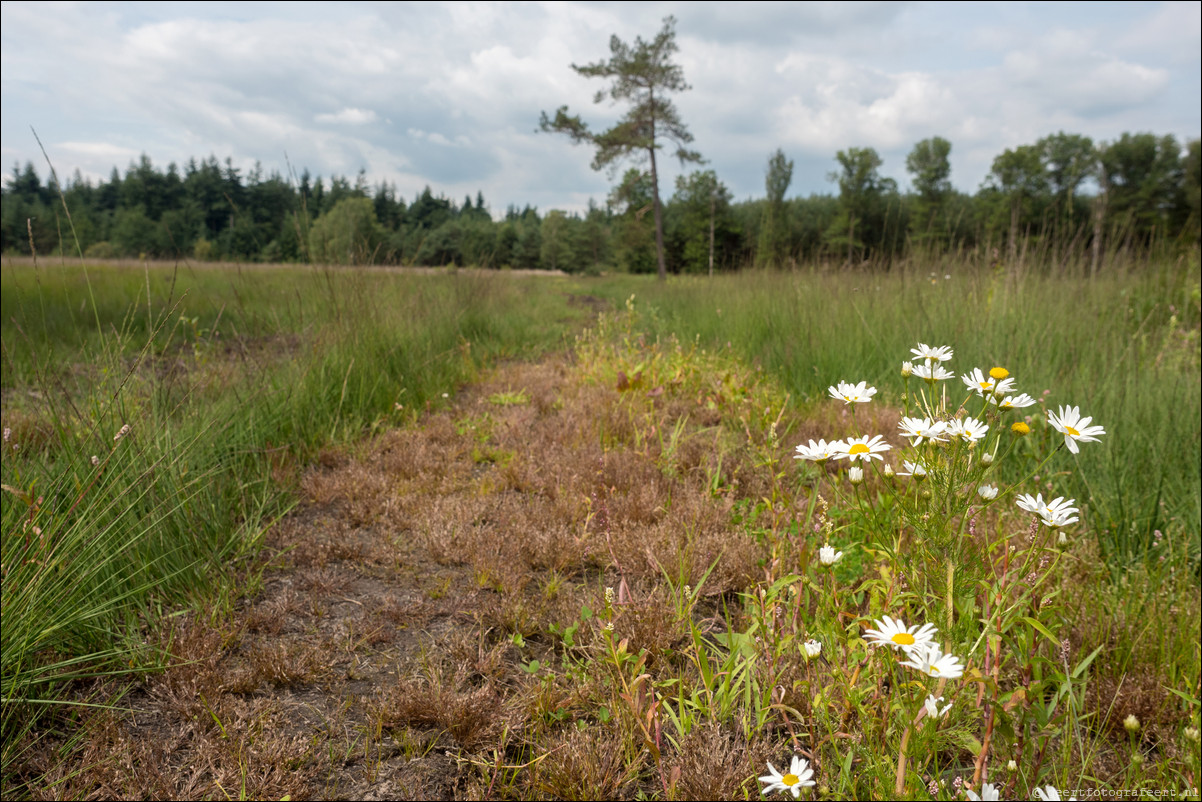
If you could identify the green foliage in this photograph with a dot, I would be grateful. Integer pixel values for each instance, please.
(773, 238)
(348, 234)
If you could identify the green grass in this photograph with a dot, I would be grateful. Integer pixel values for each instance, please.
(1124, 348)
(230, 382)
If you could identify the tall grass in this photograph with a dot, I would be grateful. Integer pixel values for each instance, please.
(228, 382)
(1124, 347)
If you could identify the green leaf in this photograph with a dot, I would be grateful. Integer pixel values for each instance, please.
(1042, 630)
(1085, 663)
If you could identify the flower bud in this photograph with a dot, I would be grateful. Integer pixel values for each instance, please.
(907, 369)
(987, 458)
(888, 471)
(1020, 428)
(855, 475)
(1131, 724)
(813, 648)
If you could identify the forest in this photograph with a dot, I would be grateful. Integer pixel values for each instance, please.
(1064, 196)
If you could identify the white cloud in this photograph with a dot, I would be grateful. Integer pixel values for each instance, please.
(449, 94)
(348, 116)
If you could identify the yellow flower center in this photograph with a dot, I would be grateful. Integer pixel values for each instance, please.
(860, 448)
(999, 373)
(1020, 428)
(934, 670)
(1072, 431)
(903, 639)
(790, 780)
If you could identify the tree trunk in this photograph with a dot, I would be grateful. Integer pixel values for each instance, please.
(659, 218)
(1099, 218)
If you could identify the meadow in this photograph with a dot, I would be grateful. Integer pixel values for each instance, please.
(616, 581)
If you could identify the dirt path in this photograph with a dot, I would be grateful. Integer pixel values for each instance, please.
(402, 641)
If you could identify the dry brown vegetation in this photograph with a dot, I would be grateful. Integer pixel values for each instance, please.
(400, 641)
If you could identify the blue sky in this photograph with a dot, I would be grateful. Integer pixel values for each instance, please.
(449, 94)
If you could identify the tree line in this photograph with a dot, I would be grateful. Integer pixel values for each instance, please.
(1140, 190)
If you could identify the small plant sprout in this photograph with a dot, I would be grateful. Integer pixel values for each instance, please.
(852, 393)
(893, 632)
(1068, 421)
(987, 492)
(828, 556)
(812, 648)
(799, 776)
(934, 663)
(989, 792)
(933, 709)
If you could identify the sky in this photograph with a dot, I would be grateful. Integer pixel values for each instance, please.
(449, 94)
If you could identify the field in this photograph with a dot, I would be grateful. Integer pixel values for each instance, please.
(481, 535)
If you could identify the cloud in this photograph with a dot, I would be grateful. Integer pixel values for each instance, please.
(348, 116)
(448, 94)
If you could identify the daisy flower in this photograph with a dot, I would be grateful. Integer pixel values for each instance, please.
(970, 429)
(934, 663)
(989, 793)
(820, 451)
(828, 556)
(893, 632)
(1015, 401)
(933, 373)
(919, 429)
(1068, 421)
(941, 354)
(800, 776)
(813, 648)
(913, 469)
(933, 709)
(864, 449)
(1055, 513)
(989, 385)
(852, 393)
(987, 492)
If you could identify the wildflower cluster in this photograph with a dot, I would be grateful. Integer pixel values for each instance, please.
(937, 472)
